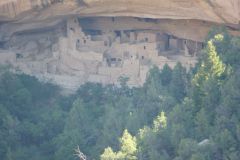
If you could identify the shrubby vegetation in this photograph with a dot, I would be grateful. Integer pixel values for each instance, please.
(176, 115)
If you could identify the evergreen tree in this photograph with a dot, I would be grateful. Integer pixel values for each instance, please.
(108, 154)
(211, 71)
(128, 149)
(179, 82)
(166, 75)
(160, 122)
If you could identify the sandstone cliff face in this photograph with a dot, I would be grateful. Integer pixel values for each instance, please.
(220, 11)
(23, 15)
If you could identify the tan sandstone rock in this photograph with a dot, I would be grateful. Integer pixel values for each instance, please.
(31, 14)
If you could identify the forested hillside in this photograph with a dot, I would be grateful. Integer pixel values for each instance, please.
(176, 115)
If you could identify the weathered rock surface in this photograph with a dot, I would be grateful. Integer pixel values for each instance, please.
(32, 14)
(220, 11)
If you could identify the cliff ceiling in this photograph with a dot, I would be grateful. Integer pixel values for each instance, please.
(20, 15)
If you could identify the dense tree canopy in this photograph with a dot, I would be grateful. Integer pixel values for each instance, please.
(176, 115)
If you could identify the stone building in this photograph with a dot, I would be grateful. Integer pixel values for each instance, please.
(102, 55)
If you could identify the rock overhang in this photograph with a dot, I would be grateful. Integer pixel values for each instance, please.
(180, 17)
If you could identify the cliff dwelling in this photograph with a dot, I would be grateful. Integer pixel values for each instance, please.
(98, 50)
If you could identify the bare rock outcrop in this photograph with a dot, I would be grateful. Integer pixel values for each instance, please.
(24, 15)
(219, 11)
